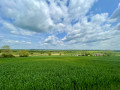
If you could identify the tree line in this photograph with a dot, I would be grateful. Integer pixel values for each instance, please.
(6, 51)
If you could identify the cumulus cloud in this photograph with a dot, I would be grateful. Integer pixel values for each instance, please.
(31, 15)
(13, 29)
(56, 16)
(52, 40)
(79, 8)
(89, 31)
(41, 16)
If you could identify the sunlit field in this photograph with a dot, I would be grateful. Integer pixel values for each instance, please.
(60, 73)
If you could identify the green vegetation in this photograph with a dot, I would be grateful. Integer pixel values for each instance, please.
(60, 54)
(60, 73)
(6, 51)
(23, 53)
(49, 53)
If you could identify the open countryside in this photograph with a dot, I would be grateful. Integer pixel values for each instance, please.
(59, 44)
(63, 70)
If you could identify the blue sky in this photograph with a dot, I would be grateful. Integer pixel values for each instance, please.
(60, 24)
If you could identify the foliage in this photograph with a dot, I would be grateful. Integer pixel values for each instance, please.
(65, 52)
(70, 52)
(49, 53)
(107, 53)
(6, 51)
(7, 55)
(42, 52)
(31, 53)
(60, 54)
(85, 53)
(23, 53)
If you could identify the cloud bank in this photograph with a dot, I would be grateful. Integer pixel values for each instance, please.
(53, 17)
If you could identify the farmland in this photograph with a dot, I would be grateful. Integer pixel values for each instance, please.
(60, 73)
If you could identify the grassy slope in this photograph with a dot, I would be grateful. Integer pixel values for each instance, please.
(60, 72)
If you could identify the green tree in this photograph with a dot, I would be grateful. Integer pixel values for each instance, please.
(23, 53)
(6, 51)
(65, 52)
(31, 53)
(49, 53)
(60, 53)
(108, 53)
(42, 52)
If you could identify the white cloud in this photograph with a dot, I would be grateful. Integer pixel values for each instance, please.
(52, 40)
(95, 30)
(79, 8)
(38, 16)
(7, 25)
(15, 44)
(13, 29)
(9, 41)
(59, 16)
(23, 32)
(117, 27)
(99, 18)
(116, 14)
(31, 15)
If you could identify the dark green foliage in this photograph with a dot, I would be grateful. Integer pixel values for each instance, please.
(49, 53)
(85, 53)
(7, 55)
(73, 52)
(31, 53)
(60, 73)
(42, 52)
(108, 53)
(23, 53)
(60, 54)
(65, 52)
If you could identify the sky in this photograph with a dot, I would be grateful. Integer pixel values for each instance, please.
(60, 24)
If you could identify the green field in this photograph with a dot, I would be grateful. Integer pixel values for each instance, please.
(60, 73)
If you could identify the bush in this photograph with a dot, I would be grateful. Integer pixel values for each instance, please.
(60, 54)
(23, 53)
(49, 53)
(108, 53)
(7, 55)
(32, 53)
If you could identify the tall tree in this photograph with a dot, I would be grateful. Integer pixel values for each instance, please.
(6, 49)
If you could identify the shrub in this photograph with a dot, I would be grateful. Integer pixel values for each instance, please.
(108, 53)
(23, 53)
(49, 53)
(32, 53)
(7, 55)
(60, 54)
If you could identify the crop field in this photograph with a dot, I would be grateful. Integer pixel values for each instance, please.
(60, 73)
